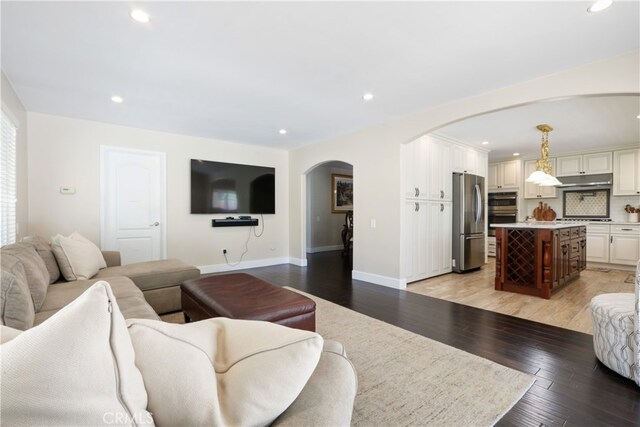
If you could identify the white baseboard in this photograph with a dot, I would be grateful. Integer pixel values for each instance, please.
(325, 249)
(300, 262)
(389, 282)
(218, 268)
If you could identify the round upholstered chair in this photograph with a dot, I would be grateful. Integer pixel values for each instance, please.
(616, 330)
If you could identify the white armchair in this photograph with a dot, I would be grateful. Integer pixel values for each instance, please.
(616, 330)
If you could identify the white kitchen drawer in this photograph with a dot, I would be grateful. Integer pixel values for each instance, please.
(491, 246)
(625, 229)
(597, 228)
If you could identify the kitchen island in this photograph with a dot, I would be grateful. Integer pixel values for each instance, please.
(535, 257)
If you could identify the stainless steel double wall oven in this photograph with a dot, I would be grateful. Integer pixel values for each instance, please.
(502, 209)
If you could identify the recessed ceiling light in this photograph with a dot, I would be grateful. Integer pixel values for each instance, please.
(283, 131)
(367, 96)
(139, 15)
(485, 142)
(638, 116)
(599, 6)
(117, 99)
(516, 154)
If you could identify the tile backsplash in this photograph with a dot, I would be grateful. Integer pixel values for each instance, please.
(616, 208)
(592, 203)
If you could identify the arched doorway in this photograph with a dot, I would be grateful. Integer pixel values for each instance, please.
(328, 199)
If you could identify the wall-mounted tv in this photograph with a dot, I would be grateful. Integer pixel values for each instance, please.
(221, 188)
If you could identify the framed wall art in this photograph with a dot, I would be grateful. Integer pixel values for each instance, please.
(341, 193)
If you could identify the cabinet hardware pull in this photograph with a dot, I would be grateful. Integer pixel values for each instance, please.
(417, 191)
(441, 194)
(626, 229)
(611, 239)
(417, 208)
(441, 207)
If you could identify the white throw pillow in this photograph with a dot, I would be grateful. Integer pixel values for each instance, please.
(75, 368)
(78, 257)
(222, 371)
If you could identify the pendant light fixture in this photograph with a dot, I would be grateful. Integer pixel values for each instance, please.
(542, 175)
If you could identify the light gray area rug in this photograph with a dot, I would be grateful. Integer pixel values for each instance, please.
(406, 379)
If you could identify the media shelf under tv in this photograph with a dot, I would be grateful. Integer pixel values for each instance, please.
(235, 222)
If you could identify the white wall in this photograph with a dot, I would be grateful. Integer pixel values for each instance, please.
(64, 151)
(324, 227)
(16, 110)
(375, 155)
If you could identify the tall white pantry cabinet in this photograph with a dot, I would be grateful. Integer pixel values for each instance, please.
(428, 164)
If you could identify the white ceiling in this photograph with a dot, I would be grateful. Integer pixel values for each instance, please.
(240, 71)
(579, 124)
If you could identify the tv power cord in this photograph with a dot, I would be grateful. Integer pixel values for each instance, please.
(246, 243)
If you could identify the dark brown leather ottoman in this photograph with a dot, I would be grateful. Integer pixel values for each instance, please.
(242, 296)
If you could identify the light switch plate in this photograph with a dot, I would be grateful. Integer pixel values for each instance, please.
(67, 190)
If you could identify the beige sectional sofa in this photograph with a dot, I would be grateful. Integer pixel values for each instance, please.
(33, 288)
(28, 297)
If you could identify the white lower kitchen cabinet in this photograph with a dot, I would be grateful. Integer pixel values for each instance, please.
(613, 244)
(624, 244)
(439, 238)
(491, 246)
(598, 247)
(427, 239)
(414, 254)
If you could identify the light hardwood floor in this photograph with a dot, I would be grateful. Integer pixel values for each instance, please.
(568, 307)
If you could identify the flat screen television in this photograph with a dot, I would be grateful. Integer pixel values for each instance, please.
(223, 188)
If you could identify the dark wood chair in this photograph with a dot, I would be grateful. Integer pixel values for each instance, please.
(347, 233)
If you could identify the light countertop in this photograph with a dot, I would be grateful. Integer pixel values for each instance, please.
(541, 224)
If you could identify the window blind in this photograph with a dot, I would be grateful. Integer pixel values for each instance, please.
(8, 180)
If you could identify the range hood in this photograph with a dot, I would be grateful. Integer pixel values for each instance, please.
(605, 179)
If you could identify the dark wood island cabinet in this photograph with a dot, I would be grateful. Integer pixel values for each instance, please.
(535, 258)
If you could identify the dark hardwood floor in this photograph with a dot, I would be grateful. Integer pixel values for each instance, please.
(572, 387)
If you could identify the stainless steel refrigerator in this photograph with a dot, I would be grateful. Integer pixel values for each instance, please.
(468, 222)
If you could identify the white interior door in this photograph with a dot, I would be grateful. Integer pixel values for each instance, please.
(133, 205)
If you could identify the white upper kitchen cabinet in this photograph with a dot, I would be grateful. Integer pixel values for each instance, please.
(585, 164)
(482, 160)
(626, 172)
(416, 166)
(468, 160)
(504, 175)
(439, 175)
(535, 191)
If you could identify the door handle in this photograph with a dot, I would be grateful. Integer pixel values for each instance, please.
(474, 237)
(478, 200)
(155, 224)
